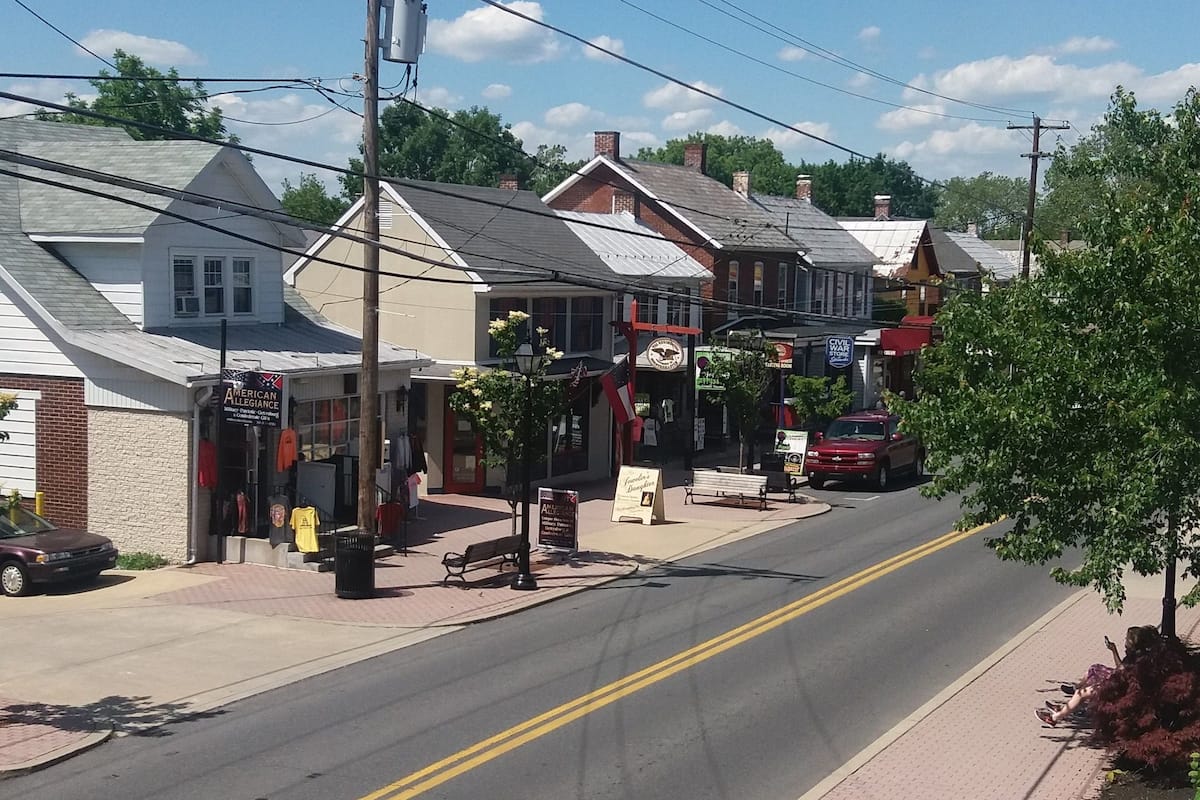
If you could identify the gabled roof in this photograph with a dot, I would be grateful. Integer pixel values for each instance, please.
(632, 248)
(894, 242)
(826, 243)
(965, 252)
(65, 295)
(704, 204)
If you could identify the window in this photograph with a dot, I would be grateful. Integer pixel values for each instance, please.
(860, 295)
(677, 308)
(214, 289)
(569, 438)
(498, 308)
(183, 278)
(647, 308)
(327, 428)
(782, 301)
(551, 313)
(731, 293)
(243, 285)
(820, 279)
(587, 323)
(758, 283)
(839, 294)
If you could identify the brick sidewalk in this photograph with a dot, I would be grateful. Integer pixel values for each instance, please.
(33, 735)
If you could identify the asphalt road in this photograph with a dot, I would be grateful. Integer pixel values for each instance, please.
(764, 714)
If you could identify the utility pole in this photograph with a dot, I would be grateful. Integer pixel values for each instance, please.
(1027, 235)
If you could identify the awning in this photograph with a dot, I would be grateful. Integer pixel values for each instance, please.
(904, 341)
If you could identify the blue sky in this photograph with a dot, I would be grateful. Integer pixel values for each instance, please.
(1061, 60)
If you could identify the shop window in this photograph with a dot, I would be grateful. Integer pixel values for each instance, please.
(498, 308)
(551, 313)
(731, 292)
(328, 427)
(587, 324)
(758, 284)
(569, 438)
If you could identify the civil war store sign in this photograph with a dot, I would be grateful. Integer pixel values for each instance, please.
(252, 398)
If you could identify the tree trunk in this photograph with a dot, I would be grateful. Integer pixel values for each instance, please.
(1168, 601)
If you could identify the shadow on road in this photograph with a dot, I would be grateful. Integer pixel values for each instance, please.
(136, 716)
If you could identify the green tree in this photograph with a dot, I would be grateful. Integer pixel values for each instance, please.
(996, 203)
(743, 369)
(472, 147)
(150, 97)
(7, 403)
(819, 399)
(307, 200)
(1067, 402)
(848, 189)
(887, 310)
(725, 155)
(552, 168)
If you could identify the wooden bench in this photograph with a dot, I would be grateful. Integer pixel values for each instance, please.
(479, 555)
(710, 483)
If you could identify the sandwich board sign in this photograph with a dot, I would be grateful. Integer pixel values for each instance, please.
(639, 495)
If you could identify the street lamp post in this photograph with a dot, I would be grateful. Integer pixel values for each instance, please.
(528, 365)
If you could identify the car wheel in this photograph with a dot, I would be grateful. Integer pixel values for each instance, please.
(14, 580)
(816, 481)
(881, 477)
(919, 467)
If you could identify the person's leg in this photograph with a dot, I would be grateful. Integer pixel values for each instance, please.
(1073, 703)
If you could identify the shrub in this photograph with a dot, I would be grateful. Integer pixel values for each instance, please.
(1149, 711)
(140, 561)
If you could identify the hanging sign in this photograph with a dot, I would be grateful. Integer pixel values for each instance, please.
(839, 351)
(558, 519)
(664, 354)
(639, 495)
(705, 356)
(252, 398)
(783, 355)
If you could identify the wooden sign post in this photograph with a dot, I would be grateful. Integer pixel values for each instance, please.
(639, 496)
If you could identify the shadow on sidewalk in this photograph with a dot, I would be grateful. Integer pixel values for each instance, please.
(136, 716)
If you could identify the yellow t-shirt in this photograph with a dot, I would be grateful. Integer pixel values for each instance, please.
(304, 523)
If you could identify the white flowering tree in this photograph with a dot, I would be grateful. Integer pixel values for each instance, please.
(494, 401)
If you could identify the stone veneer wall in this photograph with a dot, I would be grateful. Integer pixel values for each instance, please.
(139, 492)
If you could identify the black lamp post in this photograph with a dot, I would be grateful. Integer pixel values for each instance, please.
(528, 364)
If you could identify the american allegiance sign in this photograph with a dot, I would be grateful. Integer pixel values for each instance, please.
(252, 398)
(558, 519)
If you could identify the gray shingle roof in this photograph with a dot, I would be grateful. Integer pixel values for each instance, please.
(964, 252)
(827, 243)
(633, 249)
(64, 293)
(498, 237)
(711, 206)
(49, 209)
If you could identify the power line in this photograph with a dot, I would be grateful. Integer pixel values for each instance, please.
(63, 34)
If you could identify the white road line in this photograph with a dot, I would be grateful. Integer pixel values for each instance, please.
(869, 499)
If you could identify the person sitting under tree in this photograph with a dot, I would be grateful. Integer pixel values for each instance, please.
(1138, 641)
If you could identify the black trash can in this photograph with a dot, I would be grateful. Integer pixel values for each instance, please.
(354, 565)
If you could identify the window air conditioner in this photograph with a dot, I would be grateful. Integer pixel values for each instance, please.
(187, 306)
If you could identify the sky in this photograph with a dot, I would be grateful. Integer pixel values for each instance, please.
(932, 83)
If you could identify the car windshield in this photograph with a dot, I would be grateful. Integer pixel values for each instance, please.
(19, 522)
(866, 430)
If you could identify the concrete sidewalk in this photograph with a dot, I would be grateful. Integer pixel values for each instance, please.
(140, 650)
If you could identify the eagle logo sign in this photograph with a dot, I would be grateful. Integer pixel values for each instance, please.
(664, 353)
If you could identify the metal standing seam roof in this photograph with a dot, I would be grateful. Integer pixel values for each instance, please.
(894, 242)
(827, 244)
(511, 235)
(723, 214)
(632, 248)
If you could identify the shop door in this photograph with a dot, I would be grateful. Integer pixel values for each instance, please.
(464, 473)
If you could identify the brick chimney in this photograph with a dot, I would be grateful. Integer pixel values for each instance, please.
(804, 188)
(608, 144)
(695, 156)
(973, 229)
(741, 183)
(510, 182)
(883, 206)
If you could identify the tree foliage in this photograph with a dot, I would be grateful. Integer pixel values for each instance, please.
(472, 147)
(725, 155)
(848, 189)
(1067, 402)
(743, 370)
(7, 403)
(150, 97)
(996, 203)
(308, 200)
(819, 399)
(552, 168)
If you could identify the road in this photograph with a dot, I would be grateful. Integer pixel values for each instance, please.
(826, 655)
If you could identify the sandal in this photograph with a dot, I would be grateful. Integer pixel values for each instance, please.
(1045, 716)
(1068, 689)
(1053, 706)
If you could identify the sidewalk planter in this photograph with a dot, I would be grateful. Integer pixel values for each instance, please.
(354, 565)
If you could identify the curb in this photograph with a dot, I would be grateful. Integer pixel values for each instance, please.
(97, 737)
(864, 756)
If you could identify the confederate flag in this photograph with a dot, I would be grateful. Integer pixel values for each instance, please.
(619, 392)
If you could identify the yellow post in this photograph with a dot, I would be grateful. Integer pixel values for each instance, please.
(39, 503)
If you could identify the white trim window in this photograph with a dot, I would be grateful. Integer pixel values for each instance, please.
(677, 307)
(211, 285)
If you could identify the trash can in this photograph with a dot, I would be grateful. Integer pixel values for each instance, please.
(354, 565)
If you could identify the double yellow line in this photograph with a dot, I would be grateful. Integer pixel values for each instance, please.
(495, 746)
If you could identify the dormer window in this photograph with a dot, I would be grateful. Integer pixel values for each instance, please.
(209, 285)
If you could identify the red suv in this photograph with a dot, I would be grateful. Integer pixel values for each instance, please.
(864, 445)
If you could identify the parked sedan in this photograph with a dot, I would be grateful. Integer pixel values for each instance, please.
(33, 550)
(867, 445)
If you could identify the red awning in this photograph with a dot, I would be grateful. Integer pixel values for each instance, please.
(904, 341)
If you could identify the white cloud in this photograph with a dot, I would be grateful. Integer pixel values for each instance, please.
(570, 115)
(52, 90)
(859, 79)
(967, 150)
(687, 120)
(608, 43)
(869, 34)
(438, 97)
(725, 128)
(497, 91)
(1085, 44)
(1167, 87)
(163, 52)
(912, 117)
(673, 97)
(791, 143)
(1004, 76)
(489, 33)
(790, 53)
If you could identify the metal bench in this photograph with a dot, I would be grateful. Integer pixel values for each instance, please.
(479, 555)
(710, 483)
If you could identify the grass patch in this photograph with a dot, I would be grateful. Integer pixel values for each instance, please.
(140, 561)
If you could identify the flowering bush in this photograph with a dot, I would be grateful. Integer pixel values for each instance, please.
(494, 400)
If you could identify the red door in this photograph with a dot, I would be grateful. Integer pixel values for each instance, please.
(463, 462)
